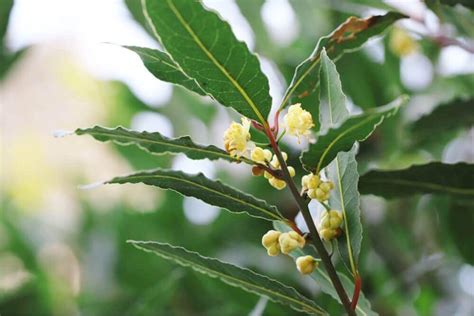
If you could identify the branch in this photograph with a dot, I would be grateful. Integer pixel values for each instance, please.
(312, 228)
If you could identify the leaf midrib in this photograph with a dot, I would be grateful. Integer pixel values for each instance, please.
(206, 189)
(167, 144)
(225, 276)
(428, 185)
(216, 62)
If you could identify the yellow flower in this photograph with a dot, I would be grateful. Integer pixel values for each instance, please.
(275, 163)
(260, 155)
(328, 234)
(306, 264)
(236, 138)
(298, 122)
(270, 242)
(290, 241)
(277, 183)
(401, 43)
(316, 189)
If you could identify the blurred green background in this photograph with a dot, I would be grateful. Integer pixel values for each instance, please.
(63, 250)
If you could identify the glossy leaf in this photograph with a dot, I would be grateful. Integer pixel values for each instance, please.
(435, 177)
(246, 279)
(324, 282)
(156, 143)
(207, 50)
(448, 117)
(343, 169)
(343, 137)
(164, 68)
(345, 198)
(209, 191)
(350, 35)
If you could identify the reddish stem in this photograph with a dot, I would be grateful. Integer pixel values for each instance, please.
(357, 288)
(275, 127)
(257, 125)
(295, 227)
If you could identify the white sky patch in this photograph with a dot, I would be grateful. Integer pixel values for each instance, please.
(230, 12)
(88, 24)
(454, 60)
(275, 81)
(466, 279)
(315, 209)
(280, 20)
(152, 122)
(191, 166)
(416, 71)
(198, 212)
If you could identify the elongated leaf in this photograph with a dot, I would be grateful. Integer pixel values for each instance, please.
(156, 143)
(5, 9)
(435, 177)
(324, 282)
(246, 279)
(466, 3)
(164, 68)
(209, 191)
(345, 197)
(343, 170)
(350, 35)
(207, 50)
(448, 117)
(343, 137)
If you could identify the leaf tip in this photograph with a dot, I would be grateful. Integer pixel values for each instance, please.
(91, 185)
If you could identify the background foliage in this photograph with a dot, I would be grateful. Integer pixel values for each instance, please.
(416, 255)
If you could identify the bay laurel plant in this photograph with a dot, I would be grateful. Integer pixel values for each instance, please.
(202, 55)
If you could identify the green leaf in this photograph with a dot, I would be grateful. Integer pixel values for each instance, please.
(156, 143)
(460, 220)
(343, 170)
(349, 36)
(164, 68)
(209, 191)
(435, 177)
(207, 50)
(246, 279)
(462, 18)
(343, 137)
(466, 3)
(324, 282)
(448, 117)
(345, 198)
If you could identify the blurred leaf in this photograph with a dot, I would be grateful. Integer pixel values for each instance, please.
(5, 9)
(448, 117)
(235, 276)
(345, 197)
(342, 138)
(323, 280)
(435, 177)
(207, 50)
(461, 220)
(209, 191)
(156, 143)
(164, 68)
(460, 17)
(350, 35)
(466, 3)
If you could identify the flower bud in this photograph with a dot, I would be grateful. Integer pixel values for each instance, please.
(401, 43)
(292, 171)
(258, 155)
(326, 186)
(290, 241)
(257, 171)
(306, 264)
(328, 234)
(267, 175)
(267, 154)
(270, 238)
(273, 250)
(277, 183)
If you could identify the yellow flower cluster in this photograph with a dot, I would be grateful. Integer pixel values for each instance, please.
(276, 242)
(236, 138)
(298, 122)
(316, 188)
(330, 222)
(264, 156)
